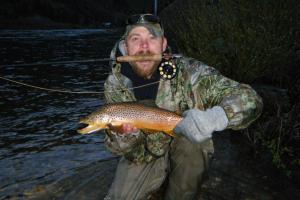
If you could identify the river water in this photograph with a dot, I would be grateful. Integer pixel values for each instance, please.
(39, 144)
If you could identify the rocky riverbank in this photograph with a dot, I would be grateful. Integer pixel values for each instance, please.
(235, 173)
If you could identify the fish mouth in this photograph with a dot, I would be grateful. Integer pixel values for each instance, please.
(84, 128)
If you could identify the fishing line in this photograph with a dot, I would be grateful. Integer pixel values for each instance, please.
(69, 91)
(167, 70)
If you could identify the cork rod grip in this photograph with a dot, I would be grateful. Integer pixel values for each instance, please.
(139, 58)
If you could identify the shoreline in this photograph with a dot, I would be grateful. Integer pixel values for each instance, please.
(44, 23)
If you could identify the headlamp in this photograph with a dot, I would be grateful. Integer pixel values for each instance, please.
(143, 19)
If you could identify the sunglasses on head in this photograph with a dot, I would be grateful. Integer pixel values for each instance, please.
(143, 19)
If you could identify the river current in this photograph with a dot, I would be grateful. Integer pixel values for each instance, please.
(39, 144)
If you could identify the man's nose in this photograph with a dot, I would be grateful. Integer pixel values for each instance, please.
(144, 44)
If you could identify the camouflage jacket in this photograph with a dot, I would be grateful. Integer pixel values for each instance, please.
(195, 86)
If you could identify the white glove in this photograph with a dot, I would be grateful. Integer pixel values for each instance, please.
(199, 125)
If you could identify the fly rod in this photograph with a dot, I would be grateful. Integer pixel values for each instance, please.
(134, 58)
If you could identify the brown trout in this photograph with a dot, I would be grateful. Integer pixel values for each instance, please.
(149, 119)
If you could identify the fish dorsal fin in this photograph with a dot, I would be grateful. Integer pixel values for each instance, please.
(148, 103)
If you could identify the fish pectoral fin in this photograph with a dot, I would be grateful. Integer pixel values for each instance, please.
(89, 129)
(115, 128)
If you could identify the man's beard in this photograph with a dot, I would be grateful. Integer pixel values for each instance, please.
(145, 72)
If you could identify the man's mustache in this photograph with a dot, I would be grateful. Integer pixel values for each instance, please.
(144, 53)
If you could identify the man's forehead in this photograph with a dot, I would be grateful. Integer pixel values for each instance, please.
(138, 30)
(153, 29)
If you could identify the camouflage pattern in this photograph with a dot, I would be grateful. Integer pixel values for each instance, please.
(195, 86)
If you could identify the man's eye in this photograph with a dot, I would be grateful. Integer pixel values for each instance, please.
(152, 37)
(134, 38)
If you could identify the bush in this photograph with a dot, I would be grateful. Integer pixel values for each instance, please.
(278, 131)
(243, 39)
(249, 41)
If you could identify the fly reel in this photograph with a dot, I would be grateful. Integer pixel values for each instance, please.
(167, 69)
